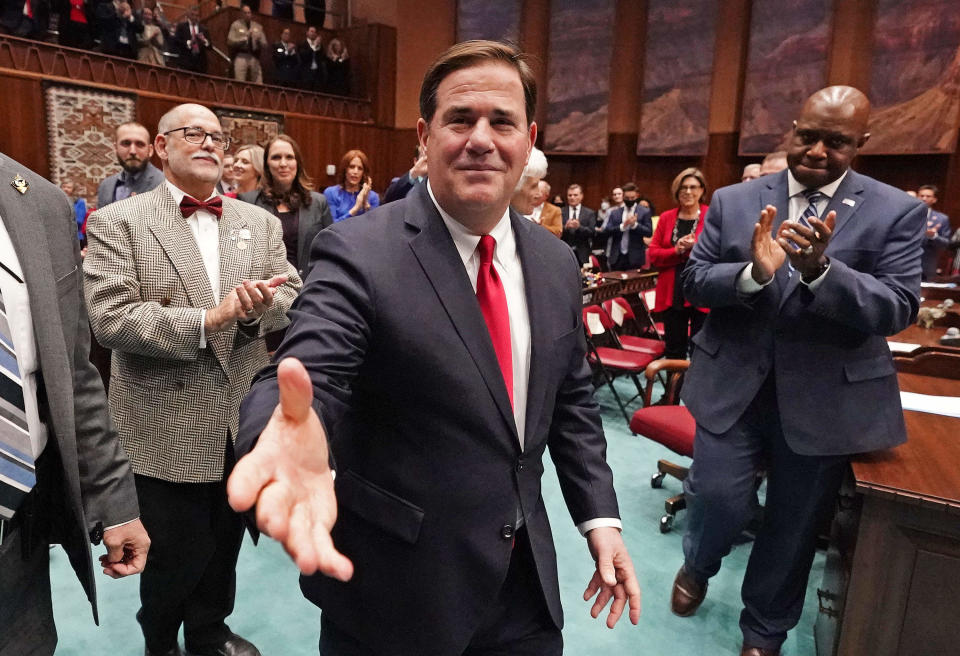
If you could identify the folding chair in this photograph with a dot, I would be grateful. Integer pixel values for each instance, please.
(609, 362)
(623, 317)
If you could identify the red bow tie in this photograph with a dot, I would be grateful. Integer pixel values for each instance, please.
(189, 205)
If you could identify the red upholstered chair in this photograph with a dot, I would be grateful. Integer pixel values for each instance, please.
(669, 424)
(595, 263)
(622, 316)
(607, 360)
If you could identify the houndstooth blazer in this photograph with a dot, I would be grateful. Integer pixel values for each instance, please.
(174, 403)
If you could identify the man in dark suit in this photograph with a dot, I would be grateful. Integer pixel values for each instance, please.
(439, 368)
(56, 439)
(137, 175)
(579, 223)
(627, 226)
(401, 185)
(799, 308)
(936, 238)
(193, 41)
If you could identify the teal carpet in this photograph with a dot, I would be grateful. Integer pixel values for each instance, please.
(271, 612)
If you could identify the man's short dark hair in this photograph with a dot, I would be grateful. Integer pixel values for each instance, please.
(575, 186)
(471, 53)
(628, 187)
(931, 187)
(131, 124)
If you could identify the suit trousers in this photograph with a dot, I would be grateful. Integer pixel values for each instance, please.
(246, 68)
(801, 491)
(26, 612)
(517, 623)
(679, 324)
(190, 576)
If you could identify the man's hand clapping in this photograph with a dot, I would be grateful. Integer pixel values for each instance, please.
(247, 301)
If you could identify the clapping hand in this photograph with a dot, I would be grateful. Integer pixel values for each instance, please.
(805, 245)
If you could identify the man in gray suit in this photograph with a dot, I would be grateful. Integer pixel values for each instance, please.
(183, 285)
(138, 174)
(82, 488)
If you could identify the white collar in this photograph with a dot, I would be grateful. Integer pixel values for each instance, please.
(794, 188)
(178, 193)
(466, 241)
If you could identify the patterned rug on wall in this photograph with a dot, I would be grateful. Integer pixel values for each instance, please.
(249, 127)
(81, 123)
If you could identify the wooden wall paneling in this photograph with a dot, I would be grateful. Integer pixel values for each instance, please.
(851, 45)
(23, 132)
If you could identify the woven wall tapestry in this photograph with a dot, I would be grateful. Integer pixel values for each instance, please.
(81, 124)
(497, 20)
(915, 87)
(249, 127)
(787, 62)
(678, 69)
(578, 76)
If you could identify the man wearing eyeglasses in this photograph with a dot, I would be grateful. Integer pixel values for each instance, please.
(183, 285)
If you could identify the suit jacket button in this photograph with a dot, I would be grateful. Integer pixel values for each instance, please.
(506, 532)
(519, 465)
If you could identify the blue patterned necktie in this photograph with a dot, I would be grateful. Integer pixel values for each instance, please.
(813, 197)
(17, 471)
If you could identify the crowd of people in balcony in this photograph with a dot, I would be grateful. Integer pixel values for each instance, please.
(120, 29)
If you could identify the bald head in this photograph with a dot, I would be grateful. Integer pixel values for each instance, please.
(827, 135)
(174, 118)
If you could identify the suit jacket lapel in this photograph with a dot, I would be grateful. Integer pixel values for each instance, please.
(234, 267)
(536, 280)
(438, 255)
(846, 202)
(177, 240)
(28, 234)
(775, 193)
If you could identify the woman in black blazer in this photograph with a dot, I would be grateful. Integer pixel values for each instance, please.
(286, 191)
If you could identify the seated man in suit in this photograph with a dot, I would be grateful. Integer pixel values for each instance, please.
(437, 371)
(936, 238)
(65, 476)
(800, 303)
(579, 223)
(627, 226)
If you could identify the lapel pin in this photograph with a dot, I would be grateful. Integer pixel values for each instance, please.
(19, 184)
(849, 201)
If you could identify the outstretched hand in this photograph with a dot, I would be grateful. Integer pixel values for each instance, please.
(287, 476)
(614, 576)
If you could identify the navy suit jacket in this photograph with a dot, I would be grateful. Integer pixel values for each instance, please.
(636, 248)
(837, 389)
(580, 239)
(934, 246)
(430, 473)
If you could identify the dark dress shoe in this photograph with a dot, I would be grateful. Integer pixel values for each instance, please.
(175, 651)
(758, 651)
(687, 594)
(232, 646)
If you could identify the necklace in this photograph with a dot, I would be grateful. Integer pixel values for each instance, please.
(676, 226)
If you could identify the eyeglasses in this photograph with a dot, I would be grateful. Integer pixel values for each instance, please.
(691, 187)
(197, 136)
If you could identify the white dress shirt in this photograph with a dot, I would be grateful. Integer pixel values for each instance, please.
(20, 320)
(798, 204)
(206, 230)
(507, 263)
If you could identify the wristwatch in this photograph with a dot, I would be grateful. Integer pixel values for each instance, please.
(823, 267)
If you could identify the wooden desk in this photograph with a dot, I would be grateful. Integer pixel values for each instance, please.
(891, 583)
(940, 293)
(602, 291)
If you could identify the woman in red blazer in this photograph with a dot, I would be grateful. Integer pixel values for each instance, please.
(669, 251)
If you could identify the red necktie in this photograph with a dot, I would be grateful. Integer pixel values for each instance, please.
(189, 205)
(493, 304)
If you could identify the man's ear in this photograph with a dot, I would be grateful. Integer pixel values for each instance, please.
(863, 139)
(160, 146)
(423, 133)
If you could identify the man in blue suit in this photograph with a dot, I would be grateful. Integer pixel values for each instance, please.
(627, 226)
(800, 302)
(442, 353)
(937, 235)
